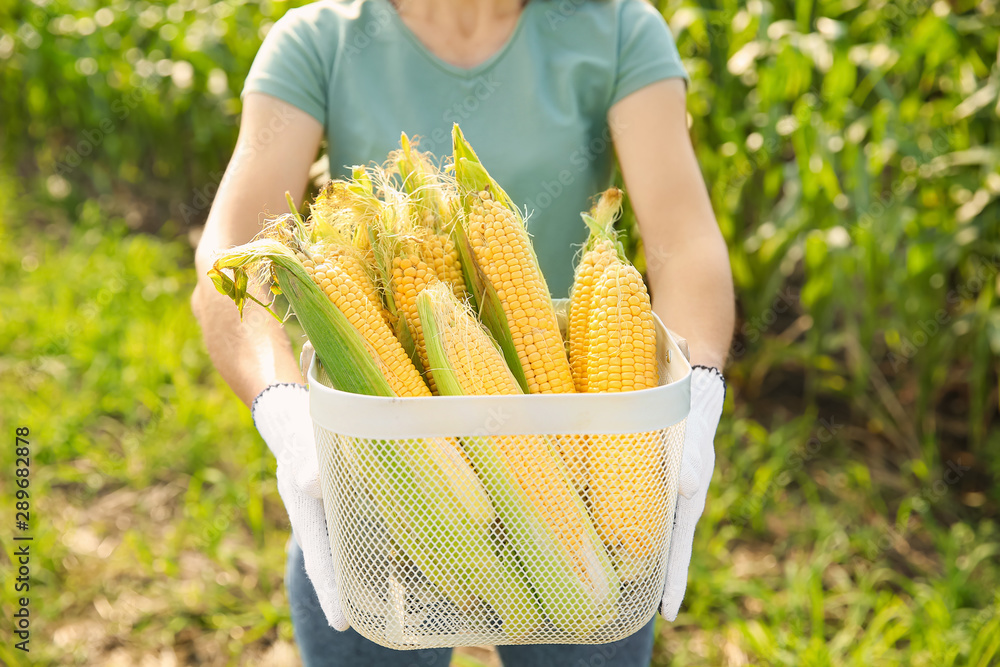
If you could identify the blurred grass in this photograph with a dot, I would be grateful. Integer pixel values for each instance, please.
(156, 519)
(849, 147)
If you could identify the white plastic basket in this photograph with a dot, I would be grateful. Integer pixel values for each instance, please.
(410, 574)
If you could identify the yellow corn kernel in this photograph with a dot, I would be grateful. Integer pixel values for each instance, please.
(621, 353)
(503, 250)
(364, 316)
(591, 266)
(410, 275)
(624, 471)
(439, 251)
(348, 259)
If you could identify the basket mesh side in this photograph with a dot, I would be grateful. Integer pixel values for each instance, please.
(500, 539)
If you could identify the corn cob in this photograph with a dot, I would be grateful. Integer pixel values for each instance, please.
(430, 201)
(462, 350)
(502, 250)
(544, 517)
(410, 275)
(589, 269)
(575, 450)
(597, 254)
(396, 246)
(328, 253)
(428, 495)
(612, 340)
(624, 472)
(439, 251)
(621, 353)
(349, 298)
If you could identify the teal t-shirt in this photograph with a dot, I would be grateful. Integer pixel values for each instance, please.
(536, 112)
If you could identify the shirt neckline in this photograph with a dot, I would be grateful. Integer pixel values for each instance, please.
(455, 70)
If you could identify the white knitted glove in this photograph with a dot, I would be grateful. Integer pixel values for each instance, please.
(708, 391)
(281, 414)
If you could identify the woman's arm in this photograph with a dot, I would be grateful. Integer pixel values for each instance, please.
(277, 144)
(686, 256)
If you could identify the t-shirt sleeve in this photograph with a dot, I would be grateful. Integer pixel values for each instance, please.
(646, 49)
(291, 66)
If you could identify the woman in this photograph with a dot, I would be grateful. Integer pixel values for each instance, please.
(543, 90)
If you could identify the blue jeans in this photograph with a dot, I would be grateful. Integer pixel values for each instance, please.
(322, 646)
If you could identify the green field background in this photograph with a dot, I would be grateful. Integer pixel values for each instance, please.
(852, 152)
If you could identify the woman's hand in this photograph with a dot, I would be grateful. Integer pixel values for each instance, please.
(690, 280)
(281, 415)
(708, 391)
(276, 146)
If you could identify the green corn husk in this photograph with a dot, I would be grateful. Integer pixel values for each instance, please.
(472, 177)
(422, 503)
(449, 540)
(600, 221)
(569, 600)
(340, 347)
(470, 173)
